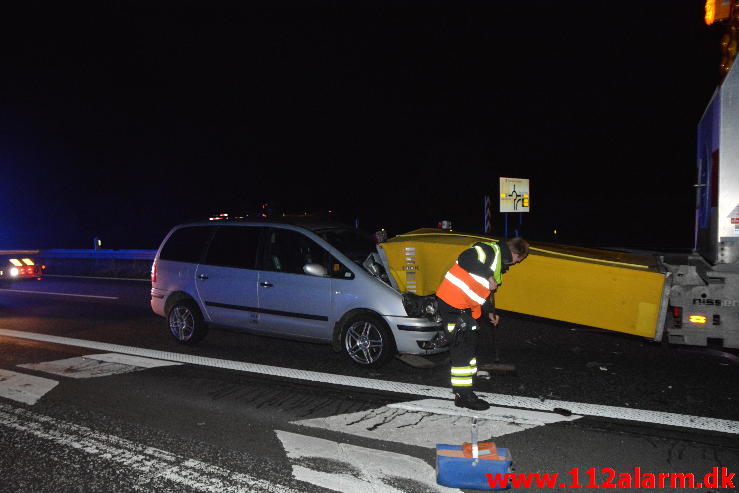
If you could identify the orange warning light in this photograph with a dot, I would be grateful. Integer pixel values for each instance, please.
(697, 319)
(717, 10)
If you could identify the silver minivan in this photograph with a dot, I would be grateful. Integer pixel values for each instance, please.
(314, 281)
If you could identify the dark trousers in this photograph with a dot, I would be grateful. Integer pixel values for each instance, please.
(462, 332)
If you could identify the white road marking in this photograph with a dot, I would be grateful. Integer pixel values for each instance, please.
(96, 365)
(79, 368)
(154, 466)
(580, 408)
(126, 359)
(521, 417)
(362, 469)
(60, 294)
(427, 422)
(20, 387)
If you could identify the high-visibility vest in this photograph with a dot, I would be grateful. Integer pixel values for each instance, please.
(463, 289)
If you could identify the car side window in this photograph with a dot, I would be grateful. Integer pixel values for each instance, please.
(186, 244)
(234, 246)
(338, 270)
(288, 251)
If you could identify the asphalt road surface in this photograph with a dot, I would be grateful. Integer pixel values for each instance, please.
(95, 395)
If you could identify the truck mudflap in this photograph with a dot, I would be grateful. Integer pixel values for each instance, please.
(617, 291)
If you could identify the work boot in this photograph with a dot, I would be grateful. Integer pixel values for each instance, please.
(470, 401)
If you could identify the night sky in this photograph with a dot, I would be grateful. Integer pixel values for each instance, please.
(121, 119)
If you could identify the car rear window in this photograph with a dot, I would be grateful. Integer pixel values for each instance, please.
(186, 244)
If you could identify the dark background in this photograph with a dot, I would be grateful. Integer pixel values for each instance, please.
(121, 119)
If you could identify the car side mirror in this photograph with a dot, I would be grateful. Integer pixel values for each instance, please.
(315, 270)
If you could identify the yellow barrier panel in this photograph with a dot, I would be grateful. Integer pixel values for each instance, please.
(598, 288)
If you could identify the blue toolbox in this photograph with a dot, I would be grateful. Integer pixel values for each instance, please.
(475, 465)
(456, 469)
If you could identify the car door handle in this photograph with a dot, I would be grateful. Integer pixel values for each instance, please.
(266, 284)
(202, 277)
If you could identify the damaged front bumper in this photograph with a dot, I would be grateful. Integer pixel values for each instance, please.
(417, 335)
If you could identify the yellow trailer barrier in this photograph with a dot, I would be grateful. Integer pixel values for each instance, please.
(599, 288)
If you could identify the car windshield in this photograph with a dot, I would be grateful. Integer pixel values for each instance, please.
(355, 244)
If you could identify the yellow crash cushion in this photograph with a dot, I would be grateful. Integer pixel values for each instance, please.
(598, 288)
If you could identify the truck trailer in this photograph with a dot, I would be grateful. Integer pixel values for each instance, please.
(704, 292)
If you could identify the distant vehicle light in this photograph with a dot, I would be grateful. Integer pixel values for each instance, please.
(28, 261)
(16, 262)
(697, 319)
(14, 271)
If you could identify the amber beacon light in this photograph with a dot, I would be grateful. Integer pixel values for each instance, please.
(717, 10)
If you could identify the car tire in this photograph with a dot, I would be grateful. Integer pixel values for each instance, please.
(186, 323)
(367, 341)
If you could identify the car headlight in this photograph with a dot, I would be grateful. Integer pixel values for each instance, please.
(14, 271)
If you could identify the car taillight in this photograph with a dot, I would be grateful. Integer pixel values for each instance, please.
(154, 272)
(677, 311)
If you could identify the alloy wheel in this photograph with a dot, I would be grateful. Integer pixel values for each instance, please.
(364, 342)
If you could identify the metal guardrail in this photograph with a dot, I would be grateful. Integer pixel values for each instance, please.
(97, 263)
(59, 253)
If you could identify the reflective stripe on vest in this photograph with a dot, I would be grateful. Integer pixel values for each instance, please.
(480, 254)
(461, 289)
(495, 265)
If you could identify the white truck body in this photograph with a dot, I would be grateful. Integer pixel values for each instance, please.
(704, 286)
